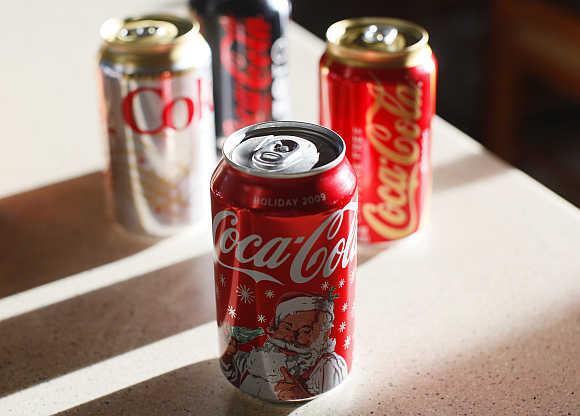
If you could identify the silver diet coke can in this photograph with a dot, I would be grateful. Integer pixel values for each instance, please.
(157, 105)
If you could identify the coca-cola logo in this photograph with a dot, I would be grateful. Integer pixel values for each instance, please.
(397, 214)
(175, 113)
(316, 255)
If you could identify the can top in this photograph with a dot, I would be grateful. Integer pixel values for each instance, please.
(382, 41)
(140, 33)
(149, 41)
(284, 149)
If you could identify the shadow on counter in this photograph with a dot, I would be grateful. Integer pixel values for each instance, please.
(466, 170)
(521, 374)
(198, 389)
(62, 229)
(65, 336)
(532, 373)
(59, 230)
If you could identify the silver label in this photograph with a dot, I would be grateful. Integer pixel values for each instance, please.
(161, 144)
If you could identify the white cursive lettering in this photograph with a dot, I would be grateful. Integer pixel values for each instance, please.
(312, 259)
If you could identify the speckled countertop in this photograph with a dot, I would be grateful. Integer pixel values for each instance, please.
(477, 315)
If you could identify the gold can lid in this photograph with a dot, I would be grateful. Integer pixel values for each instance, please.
(144, 33)
(377, 41)
(151, 44)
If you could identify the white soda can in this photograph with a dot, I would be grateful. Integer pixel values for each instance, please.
(157, 106)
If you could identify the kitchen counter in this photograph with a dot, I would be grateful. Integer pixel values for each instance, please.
(477, 314)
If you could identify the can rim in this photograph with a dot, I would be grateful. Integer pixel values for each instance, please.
(408, 56)
(187, 27)
(291, 127)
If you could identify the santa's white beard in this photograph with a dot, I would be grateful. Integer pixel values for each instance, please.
(320, 345)
(285, 345)
(265, 362)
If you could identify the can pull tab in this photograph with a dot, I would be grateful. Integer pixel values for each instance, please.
(143, 31)
(280, 154)
(276, 154)
(384, 37)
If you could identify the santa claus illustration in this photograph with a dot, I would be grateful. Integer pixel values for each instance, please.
(297, 360)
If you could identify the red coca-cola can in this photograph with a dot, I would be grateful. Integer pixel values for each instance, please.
(284, 207)
(377, 90)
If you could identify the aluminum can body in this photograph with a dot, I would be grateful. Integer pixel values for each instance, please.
(285, 263)
(248, 39)
(157, 108)
(383, 109)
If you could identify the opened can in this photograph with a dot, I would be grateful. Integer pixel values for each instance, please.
(157, 106)
(284, 228)
(377, 90)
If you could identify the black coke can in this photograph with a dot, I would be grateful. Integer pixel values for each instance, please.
(249, 44)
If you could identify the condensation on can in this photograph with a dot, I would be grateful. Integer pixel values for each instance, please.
(157, 108)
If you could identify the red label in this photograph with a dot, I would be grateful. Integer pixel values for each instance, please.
(285, 293)
(388, 137)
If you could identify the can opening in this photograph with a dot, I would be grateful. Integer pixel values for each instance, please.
(283, 149)
(271, 153)
(147, 31)
(154, 29)
(383, 37)
(377, 40)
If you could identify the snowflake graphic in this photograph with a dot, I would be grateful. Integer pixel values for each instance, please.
(342, 327)
(269, 294)
(345, 306)
(261, 318)
(231, 311)
(347, 342)
(324, 286)
(245, 293)
(341, 283)
(222, 280)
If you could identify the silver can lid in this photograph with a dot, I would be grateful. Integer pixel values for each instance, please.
(284, 149)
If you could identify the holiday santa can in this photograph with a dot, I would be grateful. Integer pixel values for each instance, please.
(377, 90)
(284, 208)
